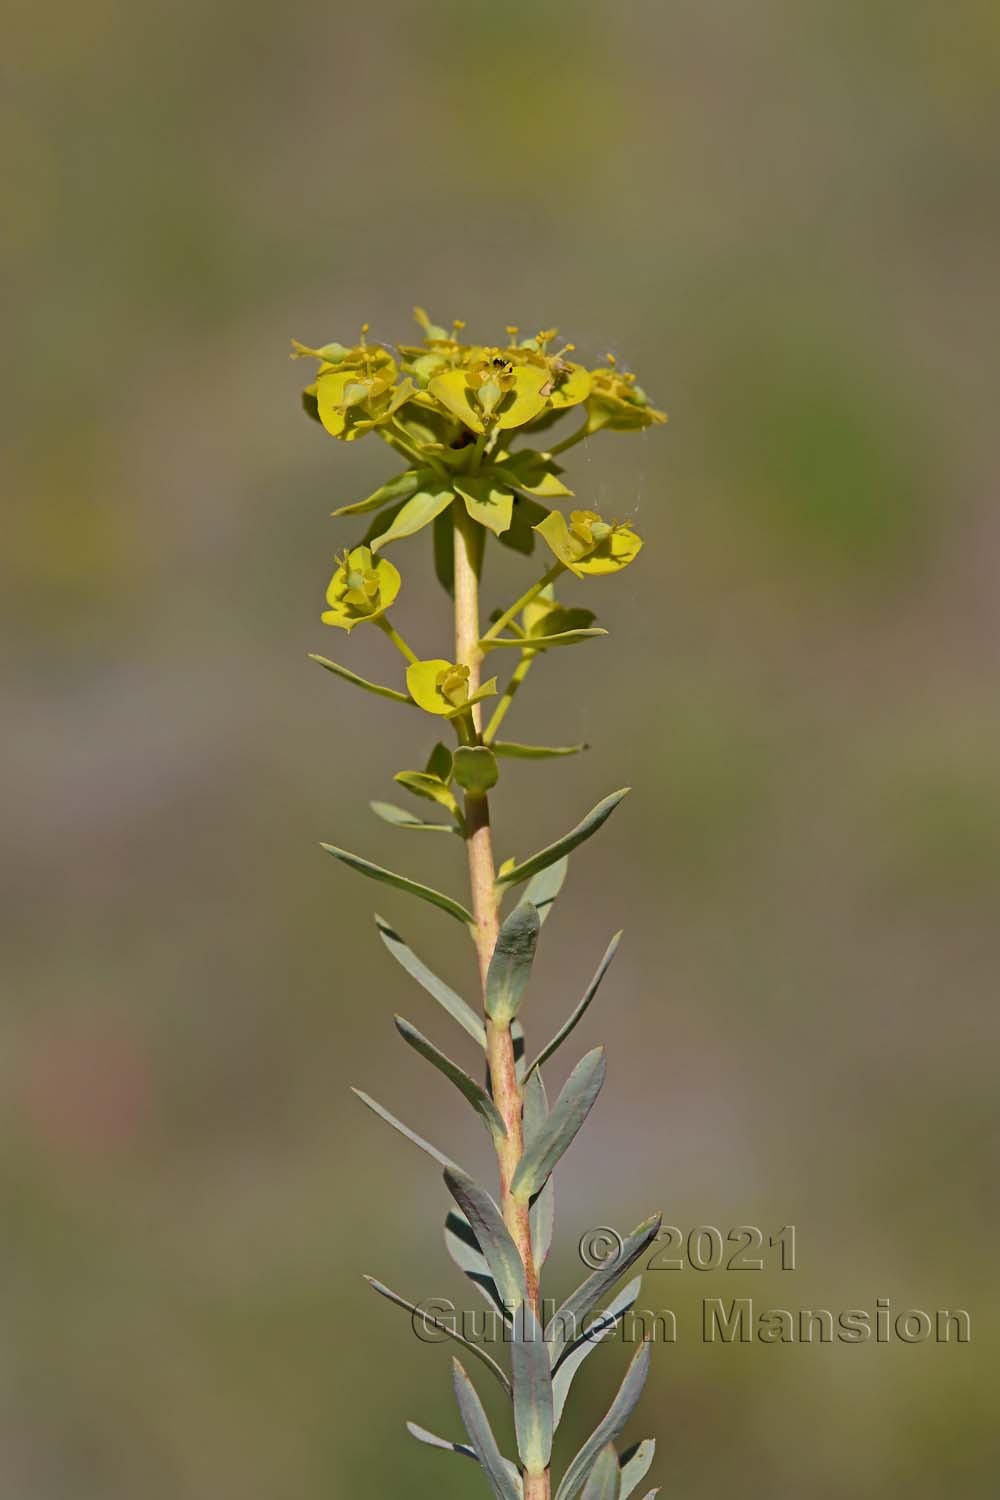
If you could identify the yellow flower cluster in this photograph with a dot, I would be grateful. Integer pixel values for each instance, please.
(445, 386)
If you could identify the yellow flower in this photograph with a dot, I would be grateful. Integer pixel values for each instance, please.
(589, 544)
(355, 389)
(617, 402)
(442, 687)
(568, 383)
(489, 388)
(360, 589)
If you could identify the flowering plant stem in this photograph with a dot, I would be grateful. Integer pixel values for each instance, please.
(454, 412)
(482, 882)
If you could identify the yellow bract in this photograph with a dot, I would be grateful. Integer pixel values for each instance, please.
(588, 543)
(361, 589)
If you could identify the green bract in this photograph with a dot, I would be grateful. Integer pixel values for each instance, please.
(468, 423)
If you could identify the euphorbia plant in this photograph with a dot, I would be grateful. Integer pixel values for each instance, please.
(471, 423)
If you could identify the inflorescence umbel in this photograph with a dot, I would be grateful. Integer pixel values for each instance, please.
(471, 423)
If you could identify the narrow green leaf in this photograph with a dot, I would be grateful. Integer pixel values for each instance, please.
(433, 788)
(488, 690)
(559, 1131)
(636, 1463)
(361, 682)
(573, 1021)
(475, 768)
(520, 535)
(491, 1233)
(400, 818)
(463, 1247)
(415, 515)
(532, 1377)
(569, 1320)
(510, 966)
(399, 488)
(542, 642)
(583, 830)
(603, 1481)
(481, 1437)
(542, 1213)
(411, 1135)
(597, 1331)
(457, 1008)
(440, 763)
(445, 1328)
(400, 882)
(423, 1436)
(444, 553)
(515, 751)
(543, 888)
(474, 1092)
(606, 1431)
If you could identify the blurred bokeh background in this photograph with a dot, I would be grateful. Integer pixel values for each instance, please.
(785, 217)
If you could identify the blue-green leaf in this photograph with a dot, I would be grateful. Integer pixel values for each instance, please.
(411, 1135)
(606, 1431)
(543, 888)
(569, 1320)
(457, 1008)
(423, 1436)
(442, 1327)
(416, 514)
(510, 966)
(532, 1377)
(514, 751)
(559, 1131)
(492, 1235)
(463, 1247)
(474, 1092)
(578, 1351)
(398, 817)
(636, 1463)
(570, 1025)
(399, 488)
(517, 1041)
(481, 1437)
(362, 682)
(583, 830)
(401, 883)
(604, 1478)
(542, 1213)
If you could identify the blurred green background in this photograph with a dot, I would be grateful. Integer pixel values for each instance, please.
(785, 217)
